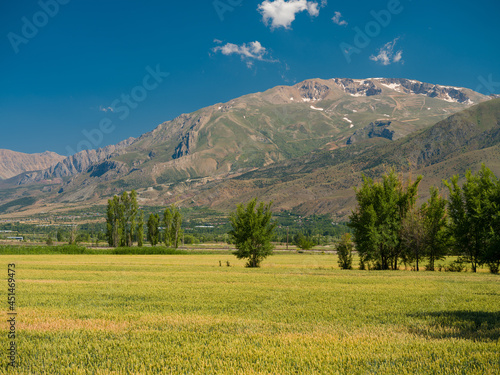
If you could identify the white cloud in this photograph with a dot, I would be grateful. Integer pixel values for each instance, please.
(248, 52)
(336, 18)
(106, 109)
(386, 54)
(282, 13)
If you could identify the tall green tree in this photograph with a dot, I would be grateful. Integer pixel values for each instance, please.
(172, 221)
(140, 230)
(59, 236)
(437, 234)
(129, 208)
(413, 237)
(167, 224)
(378, 218)
(153, 230)
(121, 216)
(492, 256)
(116, 221)
(472, 210)
(176, 232)
(252, 232)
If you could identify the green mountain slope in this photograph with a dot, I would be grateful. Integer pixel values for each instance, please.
(288, 144)
(322, 182)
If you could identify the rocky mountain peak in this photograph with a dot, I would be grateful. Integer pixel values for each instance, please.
(408, 86)
(312, 90)
(357, 87)
(13, 163)
(74, 164)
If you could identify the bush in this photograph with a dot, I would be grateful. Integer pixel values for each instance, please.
(303, 242)
(457, 266)
(39, 250)
(73, 249)
(494, 267)
(190, 240)
(344, 252)
(156, 250)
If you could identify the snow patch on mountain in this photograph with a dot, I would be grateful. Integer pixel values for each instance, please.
(317, 109)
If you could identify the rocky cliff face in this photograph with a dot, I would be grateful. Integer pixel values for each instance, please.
(374, 86)
(313, 91)
(317, 90)
(13, 163)
(78, 163)
(380, 129)
(358, 87)
(447, 93)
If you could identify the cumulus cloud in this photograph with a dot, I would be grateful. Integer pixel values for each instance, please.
(386, 54)
(336, 19)
(248, 52)
(282, 13)
(106, 109)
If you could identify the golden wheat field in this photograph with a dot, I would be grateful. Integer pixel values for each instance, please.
(298, 314)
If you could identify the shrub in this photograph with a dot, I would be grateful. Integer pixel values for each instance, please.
(344, 252)
(190, 240)
(457, 266)
(303, 242)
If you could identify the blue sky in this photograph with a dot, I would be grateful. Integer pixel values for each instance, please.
(76, 74)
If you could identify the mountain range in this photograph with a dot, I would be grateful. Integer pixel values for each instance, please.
(14, 163)
(302, 146)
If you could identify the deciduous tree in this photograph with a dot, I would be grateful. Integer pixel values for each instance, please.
(472, 210)
(252, 232)
(377, 220)
(437, 234)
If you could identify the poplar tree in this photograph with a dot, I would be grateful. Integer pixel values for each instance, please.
(167, 224)
(113, 224)
(129, 208)
(176, 227)
(121, 217)
(140, 230)
(153, 231)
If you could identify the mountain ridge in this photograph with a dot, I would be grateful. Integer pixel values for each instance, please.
(207, 157)
(14, 163)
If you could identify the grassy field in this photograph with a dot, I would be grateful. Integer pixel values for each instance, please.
(179, 314)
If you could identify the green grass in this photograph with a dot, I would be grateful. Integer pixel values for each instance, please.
(74, 249)
(87, 314)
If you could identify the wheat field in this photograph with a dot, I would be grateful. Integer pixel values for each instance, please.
(298, 314)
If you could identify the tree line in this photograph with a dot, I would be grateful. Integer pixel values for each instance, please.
(389, 228)
(125, 223)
